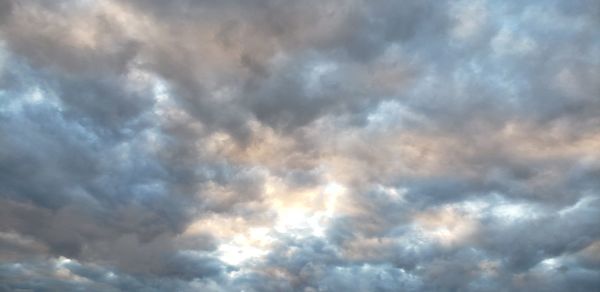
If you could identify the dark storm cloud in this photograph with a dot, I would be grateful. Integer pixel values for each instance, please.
(425, 145)
(275, 93)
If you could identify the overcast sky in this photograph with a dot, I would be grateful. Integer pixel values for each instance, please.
(299, 145)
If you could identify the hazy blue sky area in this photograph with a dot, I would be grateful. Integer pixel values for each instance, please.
(299, 145)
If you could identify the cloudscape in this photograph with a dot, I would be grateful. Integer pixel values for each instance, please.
(299, 145)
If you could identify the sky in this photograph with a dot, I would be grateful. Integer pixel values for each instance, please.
(307, 145)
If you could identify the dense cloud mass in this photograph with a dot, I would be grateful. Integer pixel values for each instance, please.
(312, 145)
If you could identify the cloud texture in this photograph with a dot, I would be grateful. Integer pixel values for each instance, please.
(312, 145)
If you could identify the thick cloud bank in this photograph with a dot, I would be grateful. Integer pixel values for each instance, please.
(311, 145)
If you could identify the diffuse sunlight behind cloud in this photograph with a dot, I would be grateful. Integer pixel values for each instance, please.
(336, 145)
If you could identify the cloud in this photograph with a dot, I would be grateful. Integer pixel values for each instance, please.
(299, 145)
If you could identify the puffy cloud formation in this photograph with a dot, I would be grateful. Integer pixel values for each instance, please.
(312, 145)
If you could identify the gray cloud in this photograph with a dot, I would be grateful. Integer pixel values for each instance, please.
(299, 146)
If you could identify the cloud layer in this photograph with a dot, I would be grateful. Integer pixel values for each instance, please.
(328, 145)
